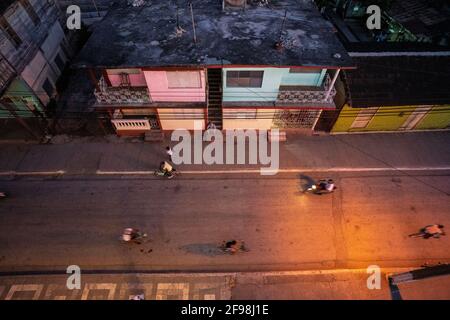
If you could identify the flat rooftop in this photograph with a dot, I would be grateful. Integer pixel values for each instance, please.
(146, 36)
(402, 80)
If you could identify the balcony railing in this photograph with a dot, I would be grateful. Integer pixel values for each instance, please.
(307, 95)
(131, 125)
(121, 95)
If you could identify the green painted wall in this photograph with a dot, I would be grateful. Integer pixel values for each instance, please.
(272, 79)
(392, 118)
(21, 95)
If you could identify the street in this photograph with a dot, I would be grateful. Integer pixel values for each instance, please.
(50, 223)
(69, 203)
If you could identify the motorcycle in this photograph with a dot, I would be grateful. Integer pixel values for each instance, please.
(132, 235)
(321, 187)
(436, 231)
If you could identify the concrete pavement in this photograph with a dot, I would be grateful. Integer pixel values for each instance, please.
(298, 285)
(425, 150)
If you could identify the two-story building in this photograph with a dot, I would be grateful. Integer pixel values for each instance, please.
(237, 64)
(33, 54)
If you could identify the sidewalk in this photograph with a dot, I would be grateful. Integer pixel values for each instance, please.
(89, 155)
(295, 285)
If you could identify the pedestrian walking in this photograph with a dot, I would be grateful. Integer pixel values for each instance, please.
(211, 126)
(169, 153)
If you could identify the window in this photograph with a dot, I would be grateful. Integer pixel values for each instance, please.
(125, 79)
(48, 87)
(183, 79)
(59, 62)
(30, 10)
(244, 79)
(10, 33)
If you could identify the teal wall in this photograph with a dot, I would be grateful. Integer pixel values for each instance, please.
(20, 94)
(272, 79)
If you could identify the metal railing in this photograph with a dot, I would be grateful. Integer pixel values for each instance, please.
(121, 95)
(131, 124)
(308, 95)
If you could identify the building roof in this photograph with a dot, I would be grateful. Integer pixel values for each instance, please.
(422, 16)
(4, 4)
(145, 36)
(400, 80)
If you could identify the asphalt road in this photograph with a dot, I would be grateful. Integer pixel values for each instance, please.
(48, 224)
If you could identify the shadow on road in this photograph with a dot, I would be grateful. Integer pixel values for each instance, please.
(305, 182)
(204, 249)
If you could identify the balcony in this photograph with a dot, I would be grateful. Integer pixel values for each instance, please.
(307, 95)
(124, 95)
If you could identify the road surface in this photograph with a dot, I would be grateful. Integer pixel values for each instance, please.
(49, 223)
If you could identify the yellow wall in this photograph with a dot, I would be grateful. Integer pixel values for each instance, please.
(392, 119)
(437, 118)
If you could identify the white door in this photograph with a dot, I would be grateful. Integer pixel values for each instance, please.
(418, 114)
(363, 118)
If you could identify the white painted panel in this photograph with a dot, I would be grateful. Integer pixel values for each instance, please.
(364, 117)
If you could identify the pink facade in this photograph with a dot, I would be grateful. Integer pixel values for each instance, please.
(161, 89)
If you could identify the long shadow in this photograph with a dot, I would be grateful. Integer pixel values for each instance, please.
(395, 291)
(305, 182)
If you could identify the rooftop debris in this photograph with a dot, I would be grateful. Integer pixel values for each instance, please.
(137, 3)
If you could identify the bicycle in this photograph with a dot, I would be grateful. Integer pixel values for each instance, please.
(169, 175)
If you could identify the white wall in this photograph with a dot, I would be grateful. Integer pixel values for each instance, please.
(42, 66)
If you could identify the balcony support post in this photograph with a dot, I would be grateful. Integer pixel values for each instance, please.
(93, 78)
(332, 84)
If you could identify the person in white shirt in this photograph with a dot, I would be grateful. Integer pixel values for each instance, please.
(169, 152)
(329, 185)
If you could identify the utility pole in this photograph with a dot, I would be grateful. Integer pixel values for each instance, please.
(193, 22)
(332, 84)
(96, 8)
